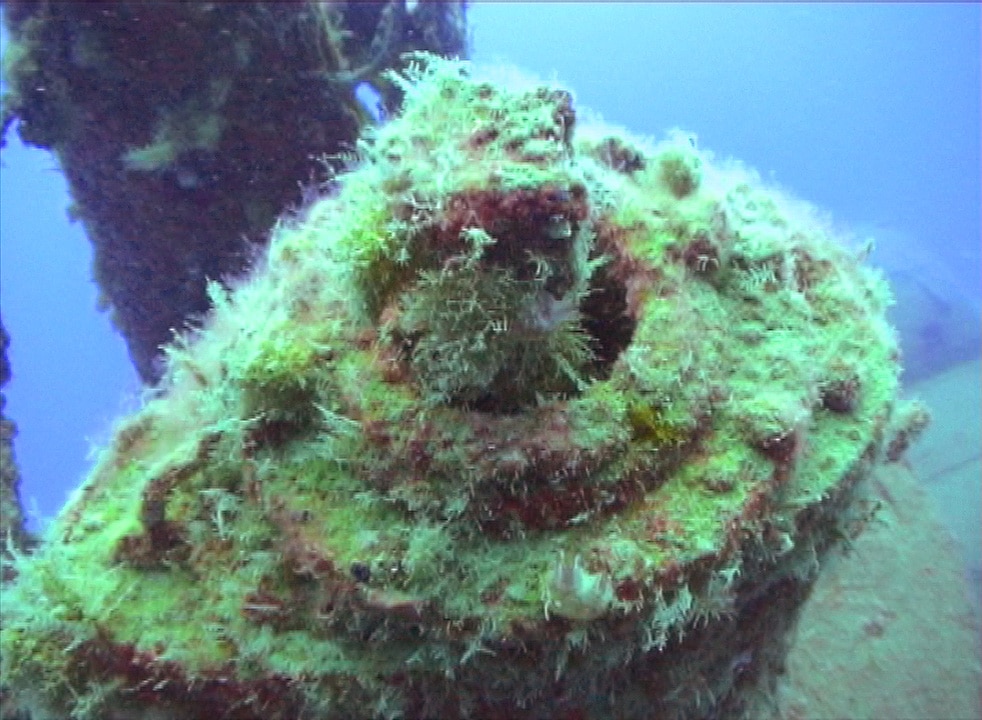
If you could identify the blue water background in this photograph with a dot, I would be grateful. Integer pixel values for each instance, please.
(869, 111)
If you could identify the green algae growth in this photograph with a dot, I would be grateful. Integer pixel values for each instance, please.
(528, 419)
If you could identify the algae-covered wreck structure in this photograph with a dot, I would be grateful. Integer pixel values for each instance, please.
(184, 128)
(525, 418)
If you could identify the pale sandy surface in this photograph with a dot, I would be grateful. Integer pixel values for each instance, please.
(890, 632)
(948, 460)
